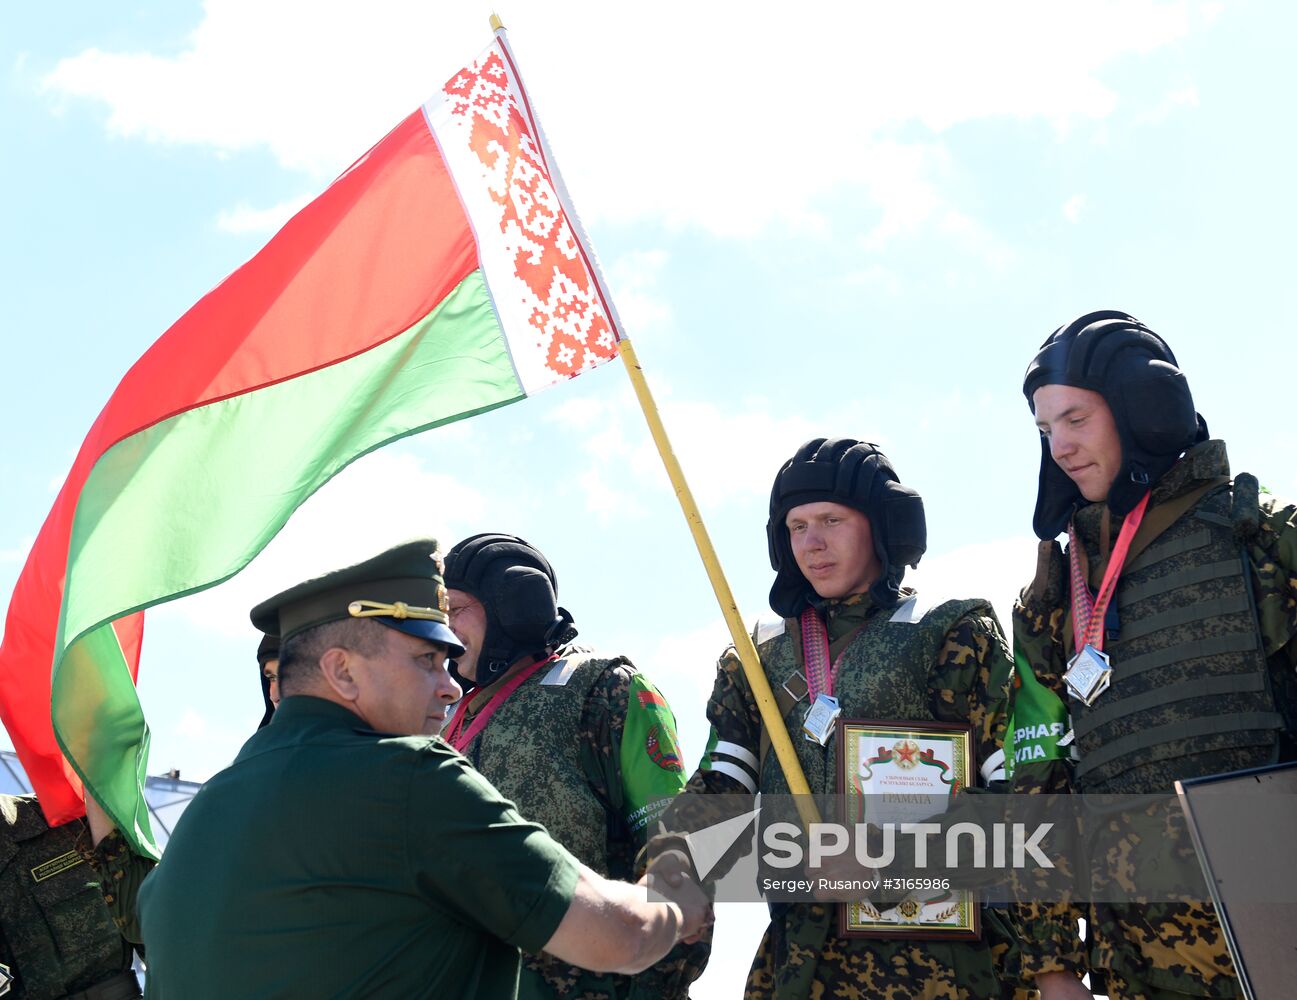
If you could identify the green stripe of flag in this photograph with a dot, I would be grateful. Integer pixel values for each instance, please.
(181, 472)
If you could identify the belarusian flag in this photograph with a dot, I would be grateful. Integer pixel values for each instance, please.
(443, 275)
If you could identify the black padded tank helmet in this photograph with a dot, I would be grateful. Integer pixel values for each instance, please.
(519, 593)
(267, 650)
(1135, 372)
(858, 475)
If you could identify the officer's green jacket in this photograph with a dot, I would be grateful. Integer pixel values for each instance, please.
(948, 664)
(66, 908)
(1204, 682)
(333, 861)
(587, 747)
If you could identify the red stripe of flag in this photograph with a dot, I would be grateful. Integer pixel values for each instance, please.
(314, 296)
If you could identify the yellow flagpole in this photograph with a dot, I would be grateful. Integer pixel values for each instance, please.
(765, 698)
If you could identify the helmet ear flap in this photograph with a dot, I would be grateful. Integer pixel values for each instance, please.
(1168, 422)
(905, 527)
(1056, 496)
(526, 606)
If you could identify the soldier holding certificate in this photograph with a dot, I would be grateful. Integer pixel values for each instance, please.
(1160, 643)
(850, 640)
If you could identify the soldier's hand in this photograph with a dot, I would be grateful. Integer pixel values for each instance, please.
(669, 870)
(1062, 986)
(671, 877)
(696, 909)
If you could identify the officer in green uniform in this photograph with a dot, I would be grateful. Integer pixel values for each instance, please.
(347, 853)
(1199, 634)
(842, 529)
(581, 743)
(67, 893)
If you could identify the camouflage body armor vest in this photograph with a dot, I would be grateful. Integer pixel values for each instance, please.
(53, 918)
(1191, 690)
(883, 675)
(531, 751)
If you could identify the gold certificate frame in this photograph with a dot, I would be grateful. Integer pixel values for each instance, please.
(906, 772)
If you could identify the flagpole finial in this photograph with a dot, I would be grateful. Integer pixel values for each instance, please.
(496, 23)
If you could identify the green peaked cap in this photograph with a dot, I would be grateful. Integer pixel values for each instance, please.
(401, 588)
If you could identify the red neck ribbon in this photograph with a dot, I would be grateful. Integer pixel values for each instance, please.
(815, 651)
(1088, 612)
(461, 739)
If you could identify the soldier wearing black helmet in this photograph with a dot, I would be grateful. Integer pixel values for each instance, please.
(842, 530)
(1187, 671)
(268, 672)
(581, 743)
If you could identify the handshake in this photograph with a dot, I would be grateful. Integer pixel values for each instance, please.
(671, 876)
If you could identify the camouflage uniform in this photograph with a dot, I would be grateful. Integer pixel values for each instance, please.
(594, 760)
(951, 666)
(67, 913)
(1164, 950)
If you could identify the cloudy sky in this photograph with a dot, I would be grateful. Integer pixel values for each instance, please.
(855, 220)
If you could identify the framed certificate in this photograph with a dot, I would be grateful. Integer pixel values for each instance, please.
(905, 772)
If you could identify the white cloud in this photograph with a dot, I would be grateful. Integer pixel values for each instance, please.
(731, 133)
(1184, 97)
(894, 174)
(976, 240)
(950, 410)
(608, 503)
(579, 413)
(11, 557)
(1072, 207)
(680, 665)
(717, 447)
(996, 570)
(245, 219)
(11, 561)
(640, 304)
(875, 277)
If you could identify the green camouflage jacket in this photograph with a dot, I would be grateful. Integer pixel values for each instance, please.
(801, 954)
(1161, 947)
(67, 910)
(625, 751)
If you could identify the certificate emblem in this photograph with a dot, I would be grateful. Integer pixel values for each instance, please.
(907, 753)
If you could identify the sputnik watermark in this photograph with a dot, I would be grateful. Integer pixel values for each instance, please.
(1039, 848)
(1001, 845)
(708, 845)
(965, 844)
